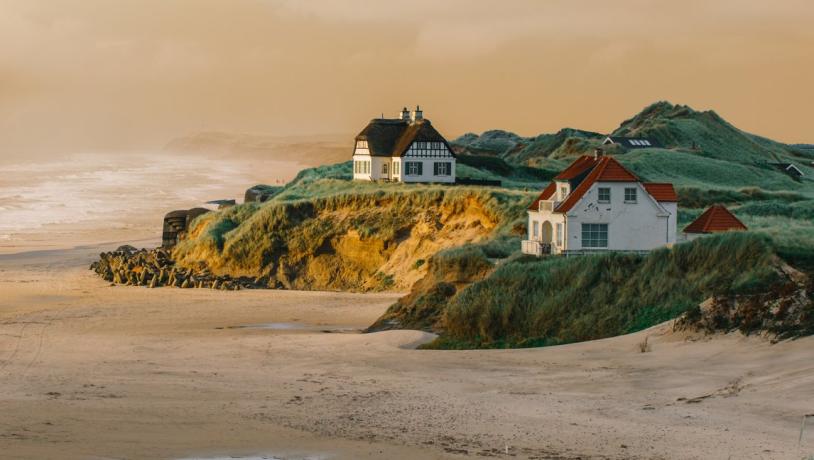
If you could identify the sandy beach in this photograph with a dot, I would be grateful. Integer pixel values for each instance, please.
(88, 370)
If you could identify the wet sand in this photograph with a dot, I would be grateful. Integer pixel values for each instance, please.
(93, 371)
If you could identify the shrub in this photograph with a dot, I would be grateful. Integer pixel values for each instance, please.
(561, 300)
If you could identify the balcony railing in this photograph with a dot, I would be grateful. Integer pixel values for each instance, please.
(535, 248)
(547, 205)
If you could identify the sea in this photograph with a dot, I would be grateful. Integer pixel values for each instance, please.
(84, 198)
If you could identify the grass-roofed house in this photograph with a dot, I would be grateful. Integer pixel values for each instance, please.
(596, 204)
(403, 149)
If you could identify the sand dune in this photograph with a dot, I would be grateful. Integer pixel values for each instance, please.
(93, 371)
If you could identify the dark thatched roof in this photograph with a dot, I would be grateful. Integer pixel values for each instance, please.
(391, 138)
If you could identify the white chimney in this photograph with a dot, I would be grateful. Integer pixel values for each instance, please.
(418, 115)
(405, 114)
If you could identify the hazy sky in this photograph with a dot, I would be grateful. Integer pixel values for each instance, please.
(91, 75)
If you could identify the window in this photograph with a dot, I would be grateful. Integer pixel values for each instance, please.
(630, 195)
(395, 169)
(535, 230)
(563, 192)
(559, 234)
(604, 194)
(442, 168)
(384, 168)
(594, 235)
(414, 168)
(356, 167)
(361, 144)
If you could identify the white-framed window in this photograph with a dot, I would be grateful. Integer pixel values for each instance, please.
(442, 168)
(630, 194)
(395, 169)
(356, 167)
(604, 194)
(594, 235)
(414, 168)
(385, 168)
(559, 234)
(361, 144)
(563, 192)
(535, 230)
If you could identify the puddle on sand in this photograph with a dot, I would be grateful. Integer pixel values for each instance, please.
(293, 326)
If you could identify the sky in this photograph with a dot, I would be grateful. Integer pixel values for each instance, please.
(114, 75)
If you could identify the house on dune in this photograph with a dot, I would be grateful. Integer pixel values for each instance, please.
(596, 204)
(403, 149)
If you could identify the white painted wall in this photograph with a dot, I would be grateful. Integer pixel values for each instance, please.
(540, 217)
(643, 225)
(375, 167)
(427, 157)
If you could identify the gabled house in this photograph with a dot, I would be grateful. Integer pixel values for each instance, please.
(632, 142)
(716, 219)
(403, 149)
(596, 204)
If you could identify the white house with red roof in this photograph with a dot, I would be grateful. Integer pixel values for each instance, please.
(596, 204)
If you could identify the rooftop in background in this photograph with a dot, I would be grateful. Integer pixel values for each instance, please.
(632, 142)
(716, 219)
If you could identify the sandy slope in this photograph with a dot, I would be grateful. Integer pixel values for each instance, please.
(93, 371)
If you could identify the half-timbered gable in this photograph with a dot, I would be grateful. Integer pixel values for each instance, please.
(404, 149)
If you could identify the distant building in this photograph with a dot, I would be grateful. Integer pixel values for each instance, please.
(596, 204)
(716, 219)
(789, 168)
(176, 224)
(403, 149)
(632, 142)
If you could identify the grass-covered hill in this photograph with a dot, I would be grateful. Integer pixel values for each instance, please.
(528, 301)
(456, 249)
(699, 149)
(323, 231)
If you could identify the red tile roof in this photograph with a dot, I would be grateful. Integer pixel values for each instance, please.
(715, 219)
(579, 166)
(607, 169)
(547, 193)
(602, 169)
(662, 192)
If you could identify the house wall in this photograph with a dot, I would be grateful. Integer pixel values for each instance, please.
(642, 225)
(427, 157)
(541, 217)
(375, 166)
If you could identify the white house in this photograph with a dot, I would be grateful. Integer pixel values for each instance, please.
(596, 204)
(406, 149)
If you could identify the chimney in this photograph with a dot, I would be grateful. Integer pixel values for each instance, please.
(598, 153)
(405, 115)
(418, 115)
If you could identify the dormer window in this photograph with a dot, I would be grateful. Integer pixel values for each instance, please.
(361, 144)
(563, 192)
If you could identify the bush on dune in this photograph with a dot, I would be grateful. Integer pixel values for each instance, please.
(561, 300)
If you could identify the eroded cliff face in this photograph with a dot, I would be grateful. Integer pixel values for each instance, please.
(355, 243)
(785, 310)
